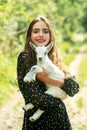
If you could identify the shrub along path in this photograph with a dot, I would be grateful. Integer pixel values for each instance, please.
(11, 114)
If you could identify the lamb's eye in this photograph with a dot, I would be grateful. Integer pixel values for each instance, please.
(45, 53)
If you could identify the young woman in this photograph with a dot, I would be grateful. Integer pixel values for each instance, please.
(55, 116)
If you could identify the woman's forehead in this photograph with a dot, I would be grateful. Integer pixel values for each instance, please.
(40, 24)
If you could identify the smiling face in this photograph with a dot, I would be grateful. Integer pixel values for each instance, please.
(40, 34)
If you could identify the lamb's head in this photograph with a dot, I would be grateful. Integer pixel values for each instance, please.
(41, 51)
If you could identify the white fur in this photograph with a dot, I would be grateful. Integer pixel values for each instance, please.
(53, 71)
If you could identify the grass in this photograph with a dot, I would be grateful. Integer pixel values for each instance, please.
(68, 58)
(80, 102)
(82, 73)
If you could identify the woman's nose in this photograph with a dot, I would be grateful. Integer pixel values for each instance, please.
(41, 33)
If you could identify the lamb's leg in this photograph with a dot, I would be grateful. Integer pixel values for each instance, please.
(31, 75)
(28, 106)
(36, 115)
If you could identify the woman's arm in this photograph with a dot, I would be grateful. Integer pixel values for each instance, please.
(33, 92)
(43, 76)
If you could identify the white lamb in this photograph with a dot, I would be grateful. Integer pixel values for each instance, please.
(53, 71)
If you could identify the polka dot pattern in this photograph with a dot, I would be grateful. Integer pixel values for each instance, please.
(55, 116)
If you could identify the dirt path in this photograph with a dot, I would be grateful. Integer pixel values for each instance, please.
(78, 115)
(11, 115)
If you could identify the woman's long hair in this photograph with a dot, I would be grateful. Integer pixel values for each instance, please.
(53, 54)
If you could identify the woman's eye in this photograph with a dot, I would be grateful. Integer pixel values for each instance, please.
(35, 32)
(43, 31)
(46, 31)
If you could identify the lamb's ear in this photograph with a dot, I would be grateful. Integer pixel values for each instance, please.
(33, 46)
(49, 47)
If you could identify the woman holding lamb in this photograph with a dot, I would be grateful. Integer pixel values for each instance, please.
(55, 116)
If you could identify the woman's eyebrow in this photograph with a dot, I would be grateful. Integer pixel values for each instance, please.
(39, 29)
(45, 29)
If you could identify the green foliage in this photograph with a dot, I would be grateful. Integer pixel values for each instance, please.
(7, 78)
(67, 57)
(80, 102)
(82, 73)
(67, 17)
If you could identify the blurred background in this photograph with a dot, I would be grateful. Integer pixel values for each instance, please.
(69, 21)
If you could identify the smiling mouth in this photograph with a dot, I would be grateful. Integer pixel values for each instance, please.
(40, 40)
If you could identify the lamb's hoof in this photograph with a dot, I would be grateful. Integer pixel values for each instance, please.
(25, 80)
(32, 119)
(24, 108)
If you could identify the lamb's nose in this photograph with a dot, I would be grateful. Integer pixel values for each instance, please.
(40, 59)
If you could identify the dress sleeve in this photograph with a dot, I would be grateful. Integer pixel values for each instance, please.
(33, 92)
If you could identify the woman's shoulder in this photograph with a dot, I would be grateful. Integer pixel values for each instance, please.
(23, 55)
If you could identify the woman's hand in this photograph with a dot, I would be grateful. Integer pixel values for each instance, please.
(43, 76)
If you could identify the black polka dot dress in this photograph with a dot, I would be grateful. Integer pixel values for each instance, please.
(55, 116)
